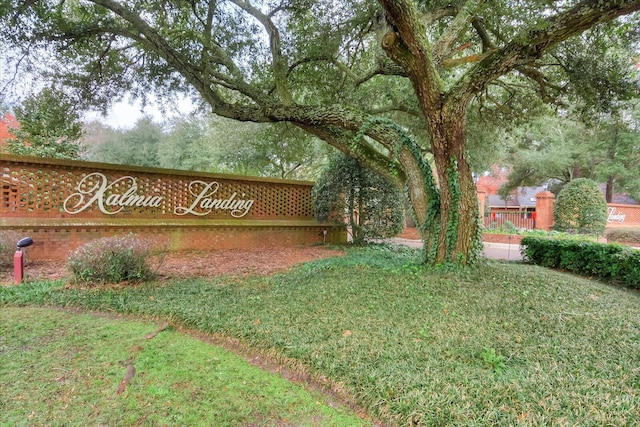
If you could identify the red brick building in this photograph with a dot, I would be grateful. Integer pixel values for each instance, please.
(6, 123)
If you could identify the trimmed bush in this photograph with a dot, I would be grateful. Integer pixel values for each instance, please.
(610, 262)
(8, 240)
(115, 260)
(372, 205)
(623, 235)
(580, 207)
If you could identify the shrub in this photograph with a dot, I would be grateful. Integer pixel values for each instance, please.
(611, 262)
(623, 235)
(581, 207)
(115, 259)
(8, 240)
(372, 205)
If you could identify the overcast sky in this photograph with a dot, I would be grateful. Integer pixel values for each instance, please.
(125, 114)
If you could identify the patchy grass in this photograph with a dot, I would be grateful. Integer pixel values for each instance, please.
(58, 368)
(506, 344)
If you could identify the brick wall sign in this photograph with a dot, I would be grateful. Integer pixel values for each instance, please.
(62, 204)
(619, 215)
(203, 197)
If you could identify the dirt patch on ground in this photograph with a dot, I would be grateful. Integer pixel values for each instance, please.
(410, 233)
(179, 265)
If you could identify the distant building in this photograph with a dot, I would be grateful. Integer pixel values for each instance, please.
(520, 199)
(6, 123)
(491, 182)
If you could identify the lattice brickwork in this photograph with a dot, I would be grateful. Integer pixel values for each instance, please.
(623, 215)
(38, 189)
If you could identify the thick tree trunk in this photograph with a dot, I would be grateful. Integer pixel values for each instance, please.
(609, 189)
(459, 234)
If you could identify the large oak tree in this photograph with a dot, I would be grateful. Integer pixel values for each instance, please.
(333, 69)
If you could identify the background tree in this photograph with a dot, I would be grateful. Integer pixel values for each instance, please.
(618, 143)
(331, 69)
(291, 153)
(137, 146)
(581, 207)
(210, 145)
(555, 149)
(235, 148)
(185, 144)
(551, 149)
(50, 126)
(590, 132)
(370, 203)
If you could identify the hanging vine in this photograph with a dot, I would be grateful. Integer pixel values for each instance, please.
(453, 221)
(429, 229)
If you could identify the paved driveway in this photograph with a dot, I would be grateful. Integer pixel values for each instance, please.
(502, 251)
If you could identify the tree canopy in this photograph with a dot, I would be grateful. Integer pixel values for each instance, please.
(333, 69)
(49, 126)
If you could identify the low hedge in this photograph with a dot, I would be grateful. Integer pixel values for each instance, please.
(611, 262)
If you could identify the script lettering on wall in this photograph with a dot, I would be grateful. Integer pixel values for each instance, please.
(614, 215)
(102, 193)
(205, 202)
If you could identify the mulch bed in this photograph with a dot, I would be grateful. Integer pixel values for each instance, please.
(180, 265)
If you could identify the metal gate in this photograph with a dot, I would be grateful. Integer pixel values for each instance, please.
(510, 219)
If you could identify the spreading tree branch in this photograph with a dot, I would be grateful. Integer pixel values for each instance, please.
(445, 46)
(532, 43)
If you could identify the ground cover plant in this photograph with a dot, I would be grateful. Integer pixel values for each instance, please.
(504, 344)
(61, 368)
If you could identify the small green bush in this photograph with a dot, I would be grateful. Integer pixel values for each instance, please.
(370, 203)
(115, 260)
(610, 262)
(623, 235)
(8, 240)
(581, 207)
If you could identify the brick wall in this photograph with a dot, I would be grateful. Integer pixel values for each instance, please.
(623, 216)
(62, 204)
(545, 203)
(619, 215)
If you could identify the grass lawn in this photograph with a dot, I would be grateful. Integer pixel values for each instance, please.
(58, 368)
(504, 344)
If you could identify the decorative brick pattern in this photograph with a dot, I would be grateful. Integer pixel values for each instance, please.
(33, 193)
(29, 190)
(625, 216)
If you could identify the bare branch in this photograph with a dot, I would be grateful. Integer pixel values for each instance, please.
(455, 62)
(481, 31)
(541, 80)
(438, 14)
